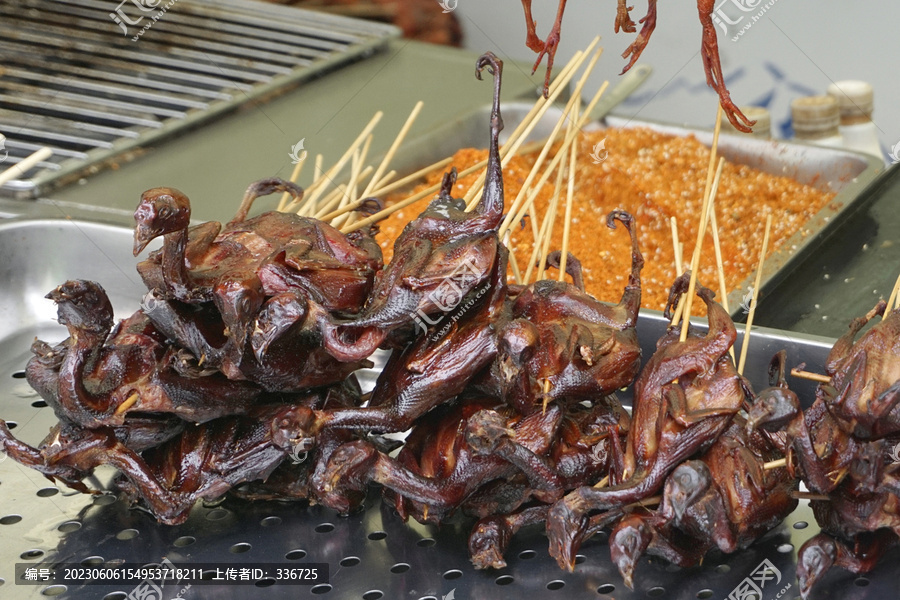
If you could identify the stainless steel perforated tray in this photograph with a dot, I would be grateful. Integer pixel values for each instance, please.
(371, 554)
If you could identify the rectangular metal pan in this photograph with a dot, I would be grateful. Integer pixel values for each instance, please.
(834, 170)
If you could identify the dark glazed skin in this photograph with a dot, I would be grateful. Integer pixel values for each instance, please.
(860, 519)
(450, 454)
(294, 478)
(52, 456)
(820, 452)
(724, 500)
(709, 48)
(97, 376)
(685, 398)
(282, 353)
(428, 373)
(864, 393)
(442, 245)
(586, 349)
(238, 266)
(203, 462)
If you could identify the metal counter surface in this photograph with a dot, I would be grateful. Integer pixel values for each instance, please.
(853, 267)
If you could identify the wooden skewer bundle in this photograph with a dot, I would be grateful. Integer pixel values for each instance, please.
(335, 205)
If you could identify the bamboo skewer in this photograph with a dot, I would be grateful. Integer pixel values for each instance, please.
(19, 169)
(569, 139)
(891, 300)
(349, 193)
(546, 229)
(720, 265)
(295, 174)
(818, 377)
(406, 202)
(546, 398)
(318, 186)
(551, 217)
(516, 140)
(567, 221)
(753, 301)
(548, 145)
(808, 496)
(679, 266)
(775, 464)
(514, 265)
(678, 249)
(651, 501)
(356, 178)
(334, 199)
(382, 188)
(385, 179)
(300, 205)
(713, 152)
(379, 172)
(701, 233)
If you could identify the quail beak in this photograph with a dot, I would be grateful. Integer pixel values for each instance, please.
(758, 414)
(678, 501)
(142, 236)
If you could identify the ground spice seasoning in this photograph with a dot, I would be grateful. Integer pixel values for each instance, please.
(653, 176)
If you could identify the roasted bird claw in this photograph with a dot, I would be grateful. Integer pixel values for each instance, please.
(623, 22)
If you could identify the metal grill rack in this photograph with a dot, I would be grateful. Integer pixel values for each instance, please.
(372, 554)
(95, 81)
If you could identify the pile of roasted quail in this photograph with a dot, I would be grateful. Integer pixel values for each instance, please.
(237, 376)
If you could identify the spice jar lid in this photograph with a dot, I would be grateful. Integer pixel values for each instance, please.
(855, 98)
(763, 118)
(815, 117)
